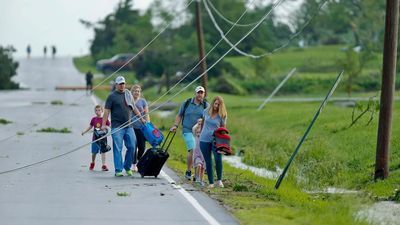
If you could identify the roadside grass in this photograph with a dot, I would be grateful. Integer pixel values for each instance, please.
(316, 68)
(4, 121)
(318, 59)
(85, 63)
(56, 102)
(333, 155)
(54, 130)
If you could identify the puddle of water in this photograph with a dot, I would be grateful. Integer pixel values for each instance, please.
(236, 162)
(382, 213)
(164, 113)
(12, 104)
(333, 190)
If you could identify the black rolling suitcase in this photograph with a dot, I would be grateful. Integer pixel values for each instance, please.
(154, 158)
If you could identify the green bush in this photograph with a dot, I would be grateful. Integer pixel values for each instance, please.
(8, 68)
(227, 84)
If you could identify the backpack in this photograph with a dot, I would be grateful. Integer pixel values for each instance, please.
(99, 133)
(187, 102)
(222, 141)
(152, 134)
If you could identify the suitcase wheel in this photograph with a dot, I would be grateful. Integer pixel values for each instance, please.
(155, 176)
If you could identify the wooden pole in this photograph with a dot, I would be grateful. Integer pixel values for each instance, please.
(200, 40)
(387, 89)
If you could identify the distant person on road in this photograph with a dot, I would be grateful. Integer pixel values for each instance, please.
(28, 51)
(142, 106)
(53, 51)
(198, 159)
(89, 82)
(189, 112)
(213, 118)
(45, 51)
(96, 123)
(120, 105)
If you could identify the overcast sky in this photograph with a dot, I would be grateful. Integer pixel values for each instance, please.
(52, 22)
(56, 22)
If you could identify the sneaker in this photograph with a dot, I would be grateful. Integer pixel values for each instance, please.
(188, 175)
(135, 169)
(119, 174)
(200, 183)
(220, 184)
(91, 167)
(211, 186)
(129, 173)
(104, 168)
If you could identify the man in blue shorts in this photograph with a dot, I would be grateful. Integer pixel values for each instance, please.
(190, 110)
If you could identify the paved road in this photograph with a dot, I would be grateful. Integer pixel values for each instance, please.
(63, 190)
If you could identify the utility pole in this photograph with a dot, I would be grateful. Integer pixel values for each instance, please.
(200, 41)
(387, 89)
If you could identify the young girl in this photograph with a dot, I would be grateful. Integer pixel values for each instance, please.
(198, 159)
(96, 123)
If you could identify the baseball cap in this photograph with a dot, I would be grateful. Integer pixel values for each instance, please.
(119, 80)
(199, 88)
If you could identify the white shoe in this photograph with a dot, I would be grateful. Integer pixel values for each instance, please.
(211, 186)
(220, 184)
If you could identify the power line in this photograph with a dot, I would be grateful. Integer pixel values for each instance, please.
(227, 20)
(321, 107)
(106, 79)
(172, 97)
(276, 89)
(267, 53)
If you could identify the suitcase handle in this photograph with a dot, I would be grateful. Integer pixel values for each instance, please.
(169, 142)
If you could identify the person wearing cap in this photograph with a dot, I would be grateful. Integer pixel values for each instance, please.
(120, 105)
(189, 112)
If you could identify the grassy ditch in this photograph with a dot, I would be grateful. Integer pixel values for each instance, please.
(334, 155)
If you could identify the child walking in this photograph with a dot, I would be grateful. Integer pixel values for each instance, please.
(96, 123)
(198, 159)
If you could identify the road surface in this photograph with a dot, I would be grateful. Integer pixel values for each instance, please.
(63, 190)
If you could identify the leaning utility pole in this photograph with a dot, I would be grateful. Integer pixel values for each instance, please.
(200, 41)
(387, 89)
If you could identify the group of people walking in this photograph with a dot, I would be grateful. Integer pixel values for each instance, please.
(53, 51)
(124, 106)
(199, 119)
(129, 111)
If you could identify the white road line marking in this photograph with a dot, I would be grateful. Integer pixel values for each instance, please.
(210, 219)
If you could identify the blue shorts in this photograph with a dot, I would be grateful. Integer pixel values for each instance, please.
(189, 141)
(95, 148)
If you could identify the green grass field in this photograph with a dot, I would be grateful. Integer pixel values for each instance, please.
(333, 155)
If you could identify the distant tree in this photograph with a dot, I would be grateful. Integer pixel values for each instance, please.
(353, 64)
(353, 22)
(8, 68)
(124, 30)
